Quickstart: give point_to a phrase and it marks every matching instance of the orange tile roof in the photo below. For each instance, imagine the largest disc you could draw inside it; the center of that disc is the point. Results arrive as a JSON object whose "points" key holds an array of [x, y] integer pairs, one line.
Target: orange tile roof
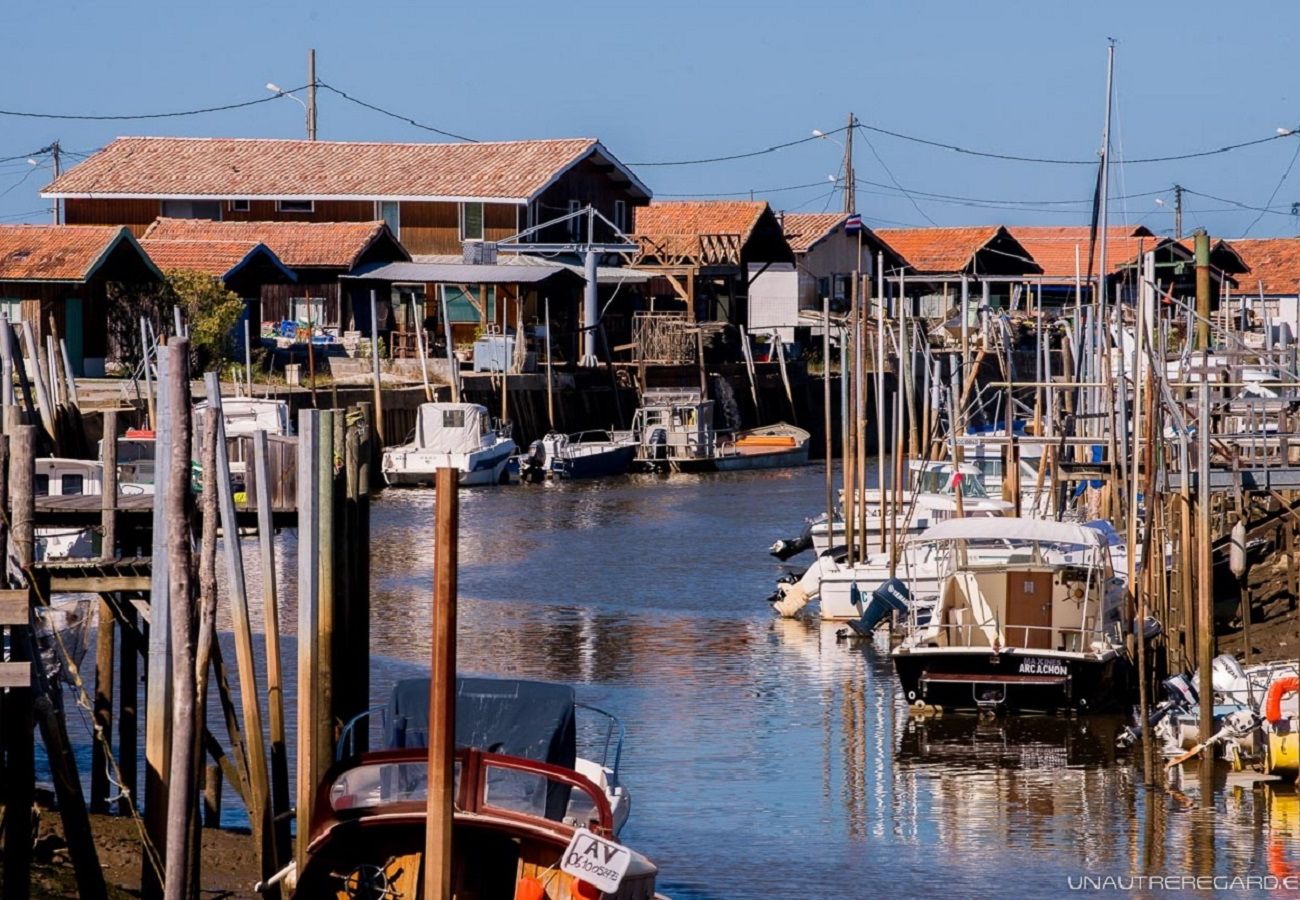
{"points": [[1052, 247], [1274, 265], [55, 252], [214, 258], [300, 245], [938, 250], [802, 230], [245, 168], [675, 225]]}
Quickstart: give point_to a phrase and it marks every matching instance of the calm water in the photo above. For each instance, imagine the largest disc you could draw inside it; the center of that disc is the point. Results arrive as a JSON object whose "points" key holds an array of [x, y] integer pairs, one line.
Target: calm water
{"points": [[766, 758]]}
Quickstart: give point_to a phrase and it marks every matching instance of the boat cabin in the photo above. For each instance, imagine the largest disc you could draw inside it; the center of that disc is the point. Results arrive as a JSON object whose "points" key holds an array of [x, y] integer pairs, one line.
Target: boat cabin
{"points": [[1023, 583], [451, 427], [674, 425], [246, 415], [57, 477]]}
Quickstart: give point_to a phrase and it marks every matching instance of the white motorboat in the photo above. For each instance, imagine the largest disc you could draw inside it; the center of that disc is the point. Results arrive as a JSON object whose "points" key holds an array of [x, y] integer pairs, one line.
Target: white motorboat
{"points": [[61, 477], [1041, 628], [451, 435], [242, 417]]}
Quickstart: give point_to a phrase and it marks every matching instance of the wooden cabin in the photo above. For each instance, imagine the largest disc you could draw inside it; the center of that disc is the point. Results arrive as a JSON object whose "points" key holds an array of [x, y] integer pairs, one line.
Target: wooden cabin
{"points": [[433, 197], [62, 275], [707, 254]]}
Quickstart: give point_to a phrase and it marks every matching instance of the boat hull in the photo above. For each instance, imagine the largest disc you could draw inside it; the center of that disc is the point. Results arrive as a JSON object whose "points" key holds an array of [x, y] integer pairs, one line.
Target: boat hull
{"points": [[604, 464], [744, 462], [1012, 680], [487, 467]]}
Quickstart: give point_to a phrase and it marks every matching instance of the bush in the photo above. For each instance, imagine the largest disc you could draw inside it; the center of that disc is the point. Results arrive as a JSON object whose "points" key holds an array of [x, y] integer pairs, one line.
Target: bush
{"points": [[211, 313]]}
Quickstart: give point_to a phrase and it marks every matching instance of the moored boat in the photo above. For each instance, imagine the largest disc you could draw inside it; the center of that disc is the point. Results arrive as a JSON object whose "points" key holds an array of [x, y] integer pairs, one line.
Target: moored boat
{"points": [[588, 454], [451, 435]]}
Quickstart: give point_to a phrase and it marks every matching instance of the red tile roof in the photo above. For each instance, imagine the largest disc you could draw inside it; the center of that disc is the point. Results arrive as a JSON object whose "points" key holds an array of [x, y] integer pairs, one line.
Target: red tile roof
{"points": [[239, 168], [55, 252], [300, 245], [1052, 247], [675, 225], [803, 230], [216, 258], [1274, 265], [938, 250]]}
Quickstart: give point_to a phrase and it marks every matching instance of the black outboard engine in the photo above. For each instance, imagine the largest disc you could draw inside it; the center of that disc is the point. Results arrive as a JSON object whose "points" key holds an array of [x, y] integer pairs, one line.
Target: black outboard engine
{"points": [[533, 465]]}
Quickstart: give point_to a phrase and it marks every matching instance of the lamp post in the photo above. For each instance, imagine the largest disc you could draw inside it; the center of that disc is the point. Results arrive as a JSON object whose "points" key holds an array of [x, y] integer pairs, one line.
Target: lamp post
{"points": [[307, 110]]}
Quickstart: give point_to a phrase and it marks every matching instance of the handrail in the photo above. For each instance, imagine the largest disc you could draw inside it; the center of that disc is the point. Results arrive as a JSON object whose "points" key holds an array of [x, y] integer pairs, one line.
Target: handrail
{"points": [[1002, 628], [611, 721]]}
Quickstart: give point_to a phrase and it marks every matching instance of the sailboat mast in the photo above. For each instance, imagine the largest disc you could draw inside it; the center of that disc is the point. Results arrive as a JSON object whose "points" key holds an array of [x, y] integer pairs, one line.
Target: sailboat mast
{"points": [[1099, 299]]}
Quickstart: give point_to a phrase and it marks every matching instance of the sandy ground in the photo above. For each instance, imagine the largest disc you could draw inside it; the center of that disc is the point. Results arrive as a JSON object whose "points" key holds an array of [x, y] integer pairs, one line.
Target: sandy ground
{"points": [[229, 866]]}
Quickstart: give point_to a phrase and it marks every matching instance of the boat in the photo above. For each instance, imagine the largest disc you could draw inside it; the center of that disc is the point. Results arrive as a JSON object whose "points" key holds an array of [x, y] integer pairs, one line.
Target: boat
{"points": [[1040, 628], [451, 435], [673, 430], [588, 454], [523, 799], [242, 417]]}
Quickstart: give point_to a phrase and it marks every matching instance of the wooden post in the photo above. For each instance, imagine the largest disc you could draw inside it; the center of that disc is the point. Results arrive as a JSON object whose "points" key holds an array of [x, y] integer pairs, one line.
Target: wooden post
{"points": [[322, 725], [309, 767], [19, 746], [212, 796], [1204, 566], [158, 695], [103, 712], [259, 789], [148, 378], [45, 407], [826, 419], [207, 618], [374, 353], [176, 506], [442, 691], [271, 633], [127, 719], [550, 380]]}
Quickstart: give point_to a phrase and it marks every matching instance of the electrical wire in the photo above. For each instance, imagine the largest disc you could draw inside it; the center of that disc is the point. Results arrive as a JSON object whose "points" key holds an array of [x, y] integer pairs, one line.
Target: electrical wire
{"points": [[772, 149], [890, 173], [1011, 157], [1273, 196], [1236, 203], [163, 115], [24, 156], [398, 116]]}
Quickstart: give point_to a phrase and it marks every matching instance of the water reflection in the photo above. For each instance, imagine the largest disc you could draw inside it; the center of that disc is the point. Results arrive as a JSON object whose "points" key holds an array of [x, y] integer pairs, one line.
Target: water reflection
{"points": [[768, 758]]}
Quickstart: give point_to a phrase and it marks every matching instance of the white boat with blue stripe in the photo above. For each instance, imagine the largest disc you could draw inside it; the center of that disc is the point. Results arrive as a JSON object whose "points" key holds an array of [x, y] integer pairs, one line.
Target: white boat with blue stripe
{"points": [[452, 435]]}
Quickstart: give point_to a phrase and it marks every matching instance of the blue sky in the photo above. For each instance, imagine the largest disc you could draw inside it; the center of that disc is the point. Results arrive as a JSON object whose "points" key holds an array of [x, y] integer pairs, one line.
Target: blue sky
{"points": [[674, 80]]}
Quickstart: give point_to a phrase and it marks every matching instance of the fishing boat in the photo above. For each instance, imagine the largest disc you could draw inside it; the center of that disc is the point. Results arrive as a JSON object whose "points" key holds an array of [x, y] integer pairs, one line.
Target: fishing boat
{"points": [[674, 430], [451, 435], [588, 454], [1041, 628], [522, 799]]}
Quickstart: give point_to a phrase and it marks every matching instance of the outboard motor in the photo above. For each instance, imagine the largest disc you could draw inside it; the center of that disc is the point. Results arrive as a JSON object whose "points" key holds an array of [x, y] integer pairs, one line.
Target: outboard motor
{"points": [[534, 462], [656, 444]]}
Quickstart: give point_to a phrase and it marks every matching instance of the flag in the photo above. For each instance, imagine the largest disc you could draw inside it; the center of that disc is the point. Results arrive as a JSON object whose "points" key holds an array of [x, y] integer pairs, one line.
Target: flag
{"points": [[853, 224]]}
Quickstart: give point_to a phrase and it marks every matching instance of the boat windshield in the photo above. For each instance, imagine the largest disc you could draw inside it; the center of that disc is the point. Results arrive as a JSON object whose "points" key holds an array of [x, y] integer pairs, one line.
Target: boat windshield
{"points": [[943, 480]]}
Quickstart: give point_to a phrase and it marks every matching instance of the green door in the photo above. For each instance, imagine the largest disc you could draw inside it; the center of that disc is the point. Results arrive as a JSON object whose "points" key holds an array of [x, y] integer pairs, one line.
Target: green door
{"points": [[72, 324]]}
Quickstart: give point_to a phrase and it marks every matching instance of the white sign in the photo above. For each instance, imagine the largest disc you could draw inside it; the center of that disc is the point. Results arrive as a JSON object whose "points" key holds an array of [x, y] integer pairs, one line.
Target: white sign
{"points": [[598, 862]]}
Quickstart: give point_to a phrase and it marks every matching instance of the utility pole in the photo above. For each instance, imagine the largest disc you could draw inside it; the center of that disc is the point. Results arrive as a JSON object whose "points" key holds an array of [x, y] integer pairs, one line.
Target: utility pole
{"points": [[850, 185], [58, 170], [1178, 212], [311, 95]]}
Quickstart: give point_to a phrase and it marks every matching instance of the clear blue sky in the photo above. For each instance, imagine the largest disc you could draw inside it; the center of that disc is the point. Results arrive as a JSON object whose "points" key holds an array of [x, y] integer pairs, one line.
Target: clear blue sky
{"points": [[673, 80]]}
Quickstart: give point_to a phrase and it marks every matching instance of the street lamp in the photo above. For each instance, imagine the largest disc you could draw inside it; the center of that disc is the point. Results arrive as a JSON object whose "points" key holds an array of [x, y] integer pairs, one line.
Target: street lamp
{"points": [[281, 92]]}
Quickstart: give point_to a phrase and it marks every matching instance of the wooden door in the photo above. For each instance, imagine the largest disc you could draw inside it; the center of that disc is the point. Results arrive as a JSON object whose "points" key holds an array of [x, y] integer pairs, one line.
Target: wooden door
{"points": [[1029, 610]]}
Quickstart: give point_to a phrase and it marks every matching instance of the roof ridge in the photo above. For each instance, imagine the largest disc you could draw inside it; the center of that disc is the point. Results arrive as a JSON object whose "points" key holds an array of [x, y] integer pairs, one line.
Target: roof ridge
{"points": [[259, 140]]}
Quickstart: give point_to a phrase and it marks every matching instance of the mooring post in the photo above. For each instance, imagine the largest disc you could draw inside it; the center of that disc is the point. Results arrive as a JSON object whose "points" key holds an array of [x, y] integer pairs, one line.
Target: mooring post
{"points": [[271, 634], [104, 637], [322, 724], [177, 506], [19, 746], [442, 690], [309, 437], [259, 789]]}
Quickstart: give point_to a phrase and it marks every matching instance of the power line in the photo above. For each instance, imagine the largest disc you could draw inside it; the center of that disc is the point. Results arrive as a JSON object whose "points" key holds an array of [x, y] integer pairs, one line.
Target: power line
{"points": [[890, 173], [1277, 187], [163, 115], [392, 115], [1011, 157], [772, 149], [1236, 203]]}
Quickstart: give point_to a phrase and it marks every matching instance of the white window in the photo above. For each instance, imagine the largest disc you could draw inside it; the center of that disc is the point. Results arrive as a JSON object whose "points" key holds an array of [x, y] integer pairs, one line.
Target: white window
{"points": [[620, 214], [13, 308], [308, 310], [239, 206], [295, 206], [471, 221]]}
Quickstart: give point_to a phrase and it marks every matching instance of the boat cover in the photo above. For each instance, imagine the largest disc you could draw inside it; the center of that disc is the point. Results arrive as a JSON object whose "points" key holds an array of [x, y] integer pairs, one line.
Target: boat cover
{"points": [[529, 719], [451, 427]]}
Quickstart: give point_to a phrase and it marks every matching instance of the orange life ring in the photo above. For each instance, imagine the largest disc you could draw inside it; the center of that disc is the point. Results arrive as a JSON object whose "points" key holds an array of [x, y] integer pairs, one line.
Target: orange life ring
{"points": [[1288, 684]]}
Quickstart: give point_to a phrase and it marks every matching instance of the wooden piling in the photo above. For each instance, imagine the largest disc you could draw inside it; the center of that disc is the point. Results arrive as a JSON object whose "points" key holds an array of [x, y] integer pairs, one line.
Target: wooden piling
{"points": [[19, 748], [259, 788], [271, 633], [321, 731], [103, 711], [207, 619], [127, 716], [442, 691], [309, 766], [177, 506]]}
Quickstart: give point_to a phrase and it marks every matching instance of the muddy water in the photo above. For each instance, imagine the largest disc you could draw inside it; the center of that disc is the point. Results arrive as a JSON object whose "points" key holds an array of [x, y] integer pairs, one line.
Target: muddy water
{"points": [[766, 758]]}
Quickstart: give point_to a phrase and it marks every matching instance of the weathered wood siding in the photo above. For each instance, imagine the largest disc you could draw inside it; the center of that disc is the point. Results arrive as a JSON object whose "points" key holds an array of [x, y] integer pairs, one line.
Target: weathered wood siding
{"points": [[135, 214]]}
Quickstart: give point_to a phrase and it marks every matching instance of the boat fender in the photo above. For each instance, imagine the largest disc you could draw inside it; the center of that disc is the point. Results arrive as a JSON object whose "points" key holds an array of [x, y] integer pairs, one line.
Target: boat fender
{"points": [[1287, 684], [529, 888]]}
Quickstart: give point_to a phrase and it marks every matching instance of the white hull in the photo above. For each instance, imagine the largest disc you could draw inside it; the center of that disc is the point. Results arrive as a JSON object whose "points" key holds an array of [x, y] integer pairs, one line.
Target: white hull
{"points": [[418, 467]]}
